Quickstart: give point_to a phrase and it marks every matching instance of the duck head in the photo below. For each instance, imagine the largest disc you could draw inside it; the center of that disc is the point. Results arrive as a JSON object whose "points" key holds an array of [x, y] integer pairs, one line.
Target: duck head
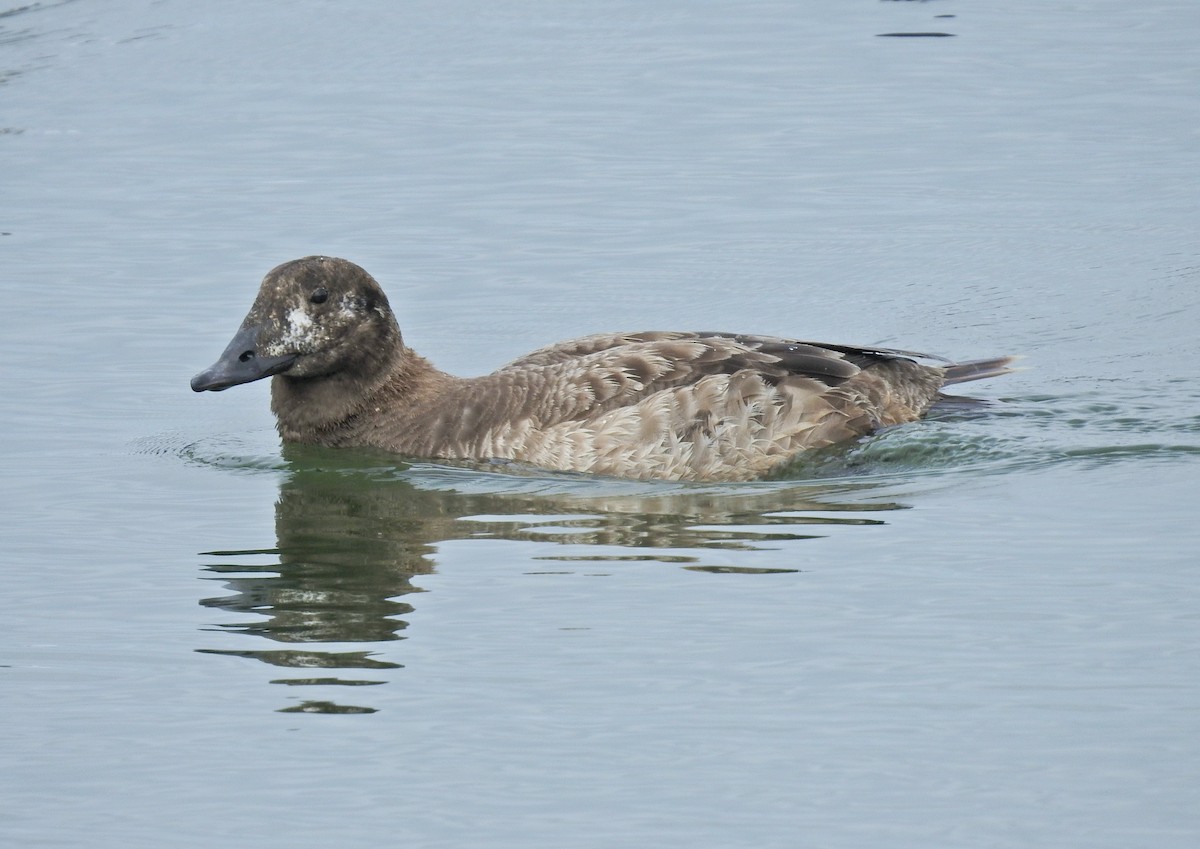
{"points": [[314, 317]]}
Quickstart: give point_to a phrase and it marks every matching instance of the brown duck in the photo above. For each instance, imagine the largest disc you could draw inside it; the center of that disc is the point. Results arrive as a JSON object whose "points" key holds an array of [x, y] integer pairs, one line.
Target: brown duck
{"points": [[684, 406]]}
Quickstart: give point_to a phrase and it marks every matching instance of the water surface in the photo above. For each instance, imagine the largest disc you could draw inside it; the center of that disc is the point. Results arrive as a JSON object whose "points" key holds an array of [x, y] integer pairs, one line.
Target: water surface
{"points": [[978, 630]]}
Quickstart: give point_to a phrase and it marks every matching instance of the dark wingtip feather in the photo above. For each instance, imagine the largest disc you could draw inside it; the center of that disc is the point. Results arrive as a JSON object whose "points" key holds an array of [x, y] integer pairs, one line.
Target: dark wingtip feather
{"points": [[979, 369]]}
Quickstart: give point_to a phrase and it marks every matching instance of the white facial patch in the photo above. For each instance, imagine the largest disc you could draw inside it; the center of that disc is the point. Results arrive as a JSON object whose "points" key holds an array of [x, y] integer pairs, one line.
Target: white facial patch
{"points": [[298, 335], [299, 326]]}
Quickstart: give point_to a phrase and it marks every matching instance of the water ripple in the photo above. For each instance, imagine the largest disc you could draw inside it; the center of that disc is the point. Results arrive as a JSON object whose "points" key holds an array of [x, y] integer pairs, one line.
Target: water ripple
{"points": [[963, 438]]}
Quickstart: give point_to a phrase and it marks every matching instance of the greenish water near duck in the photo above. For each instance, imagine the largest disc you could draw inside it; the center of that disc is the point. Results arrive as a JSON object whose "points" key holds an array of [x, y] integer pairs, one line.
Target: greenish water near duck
{"points": [[976, 630]]}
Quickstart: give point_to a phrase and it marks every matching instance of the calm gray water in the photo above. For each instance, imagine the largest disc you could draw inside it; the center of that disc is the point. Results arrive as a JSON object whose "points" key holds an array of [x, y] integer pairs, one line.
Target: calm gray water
{"points": [[977, 631]]}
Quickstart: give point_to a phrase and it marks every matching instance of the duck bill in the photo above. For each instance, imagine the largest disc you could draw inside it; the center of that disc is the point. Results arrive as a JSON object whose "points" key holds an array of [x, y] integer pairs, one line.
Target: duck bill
{"points": [[240, 363]]}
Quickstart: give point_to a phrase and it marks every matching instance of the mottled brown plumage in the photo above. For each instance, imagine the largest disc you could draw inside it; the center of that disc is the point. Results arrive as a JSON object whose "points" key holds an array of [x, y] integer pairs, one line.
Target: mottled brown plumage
{"points": [[688, 406]]}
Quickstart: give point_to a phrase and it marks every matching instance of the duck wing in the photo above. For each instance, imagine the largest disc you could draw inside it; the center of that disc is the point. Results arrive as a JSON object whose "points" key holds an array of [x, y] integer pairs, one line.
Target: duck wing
{"points": [[594, 374]]}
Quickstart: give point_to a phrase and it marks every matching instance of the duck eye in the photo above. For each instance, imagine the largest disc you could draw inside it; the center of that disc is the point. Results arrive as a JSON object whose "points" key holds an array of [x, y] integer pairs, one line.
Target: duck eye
{"points": [[319, 296]]}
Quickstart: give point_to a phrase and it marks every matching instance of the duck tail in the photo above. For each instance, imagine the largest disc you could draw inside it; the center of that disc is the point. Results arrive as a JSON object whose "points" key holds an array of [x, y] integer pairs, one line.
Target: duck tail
{"points": [[979, 369]]}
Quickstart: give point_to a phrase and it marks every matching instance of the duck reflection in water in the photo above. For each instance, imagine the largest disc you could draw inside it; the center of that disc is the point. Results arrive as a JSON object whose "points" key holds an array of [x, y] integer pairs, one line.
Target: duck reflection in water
{"points": [[353, 530]]}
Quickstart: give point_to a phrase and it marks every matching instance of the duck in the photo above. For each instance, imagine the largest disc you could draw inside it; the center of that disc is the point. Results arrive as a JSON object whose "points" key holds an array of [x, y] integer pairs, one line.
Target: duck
{"points": [[670, 405]]}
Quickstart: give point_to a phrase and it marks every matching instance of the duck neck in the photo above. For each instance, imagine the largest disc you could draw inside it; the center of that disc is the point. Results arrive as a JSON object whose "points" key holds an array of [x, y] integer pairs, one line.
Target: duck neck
{"points": [[324, 410]]}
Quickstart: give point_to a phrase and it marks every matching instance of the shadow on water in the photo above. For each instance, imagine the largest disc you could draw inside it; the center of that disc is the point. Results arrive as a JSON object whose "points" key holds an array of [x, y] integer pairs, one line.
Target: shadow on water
{"points": [[354, 531]]}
